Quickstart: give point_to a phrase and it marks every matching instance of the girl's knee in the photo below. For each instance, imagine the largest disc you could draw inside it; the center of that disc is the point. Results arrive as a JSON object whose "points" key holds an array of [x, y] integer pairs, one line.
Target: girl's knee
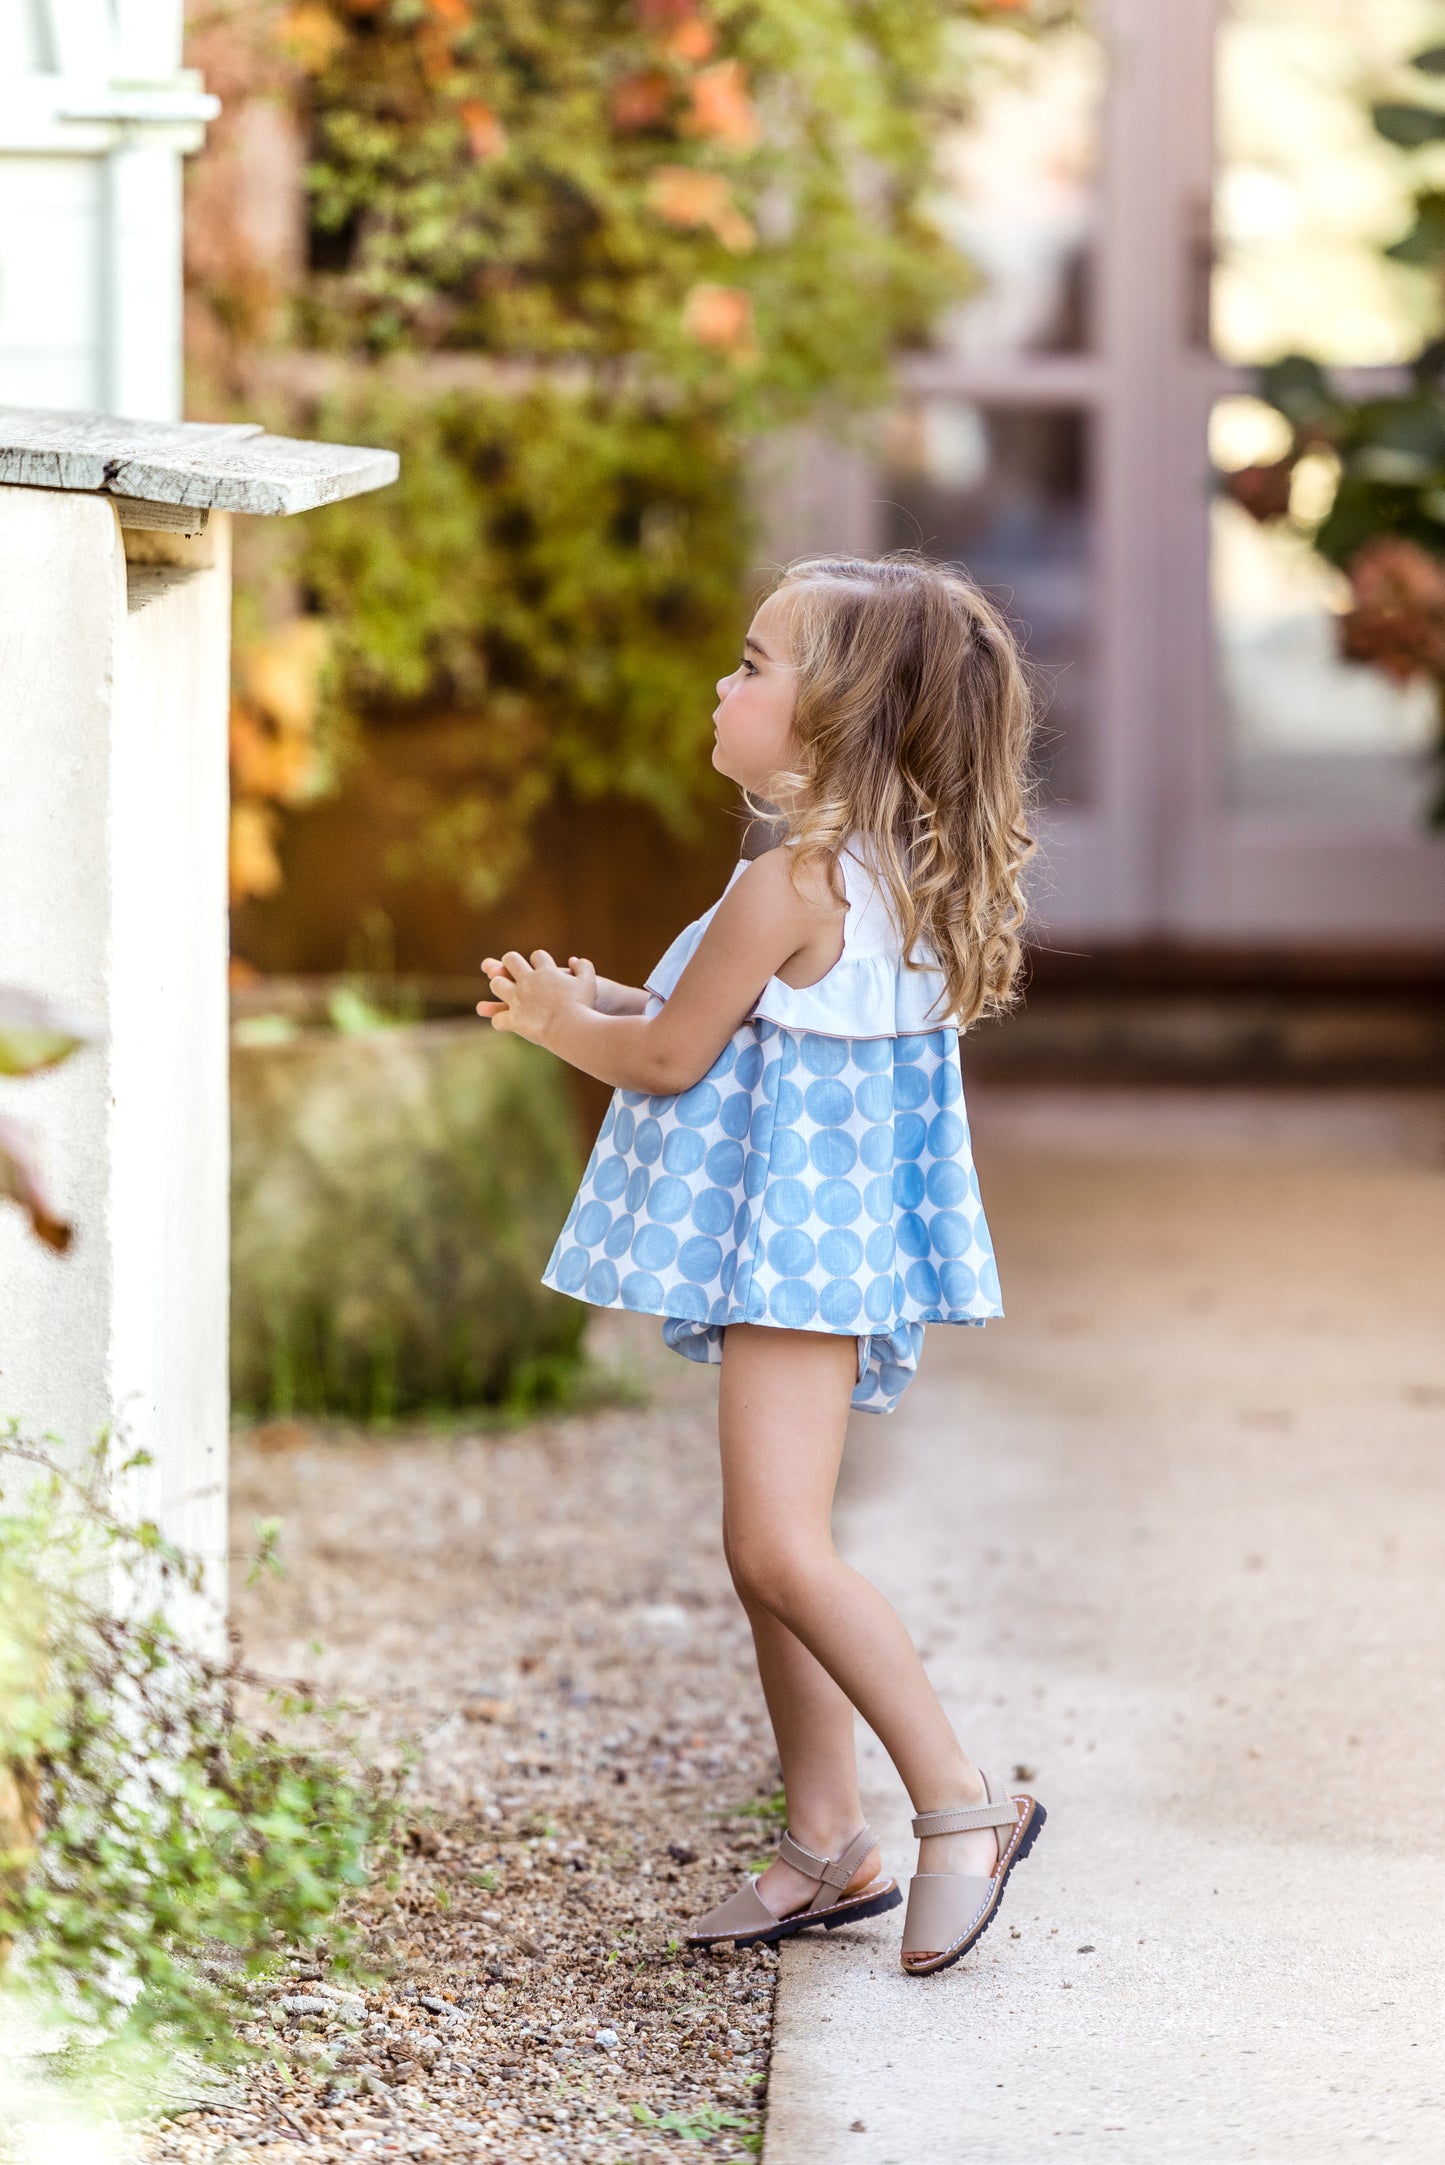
{"points": [[776, 1572]]}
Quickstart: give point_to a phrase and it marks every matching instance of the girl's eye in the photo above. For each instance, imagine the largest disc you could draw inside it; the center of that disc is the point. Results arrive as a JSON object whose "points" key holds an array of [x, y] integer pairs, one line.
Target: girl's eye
{"points": [[748, 664]]}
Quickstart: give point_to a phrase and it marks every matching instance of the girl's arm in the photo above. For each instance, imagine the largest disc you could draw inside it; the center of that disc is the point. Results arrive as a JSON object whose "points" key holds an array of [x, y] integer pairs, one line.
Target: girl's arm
{"points": [[762, 925], [615, 999]]}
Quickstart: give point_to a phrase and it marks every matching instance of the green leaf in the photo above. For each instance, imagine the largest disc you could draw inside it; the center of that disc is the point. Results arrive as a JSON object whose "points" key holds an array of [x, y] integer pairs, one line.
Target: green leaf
{"points": [[353, 1015], [1298, 387], [35, 1033], [169, 1836], [1408, 125], [1424, 244], [1399, 439], [1431, 61]]}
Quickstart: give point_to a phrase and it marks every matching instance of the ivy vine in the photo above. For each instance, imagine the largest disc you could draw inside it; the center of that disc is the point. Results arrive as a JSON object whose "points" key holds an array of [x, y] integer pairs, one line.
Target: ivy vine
{"points": [[654, 230]]}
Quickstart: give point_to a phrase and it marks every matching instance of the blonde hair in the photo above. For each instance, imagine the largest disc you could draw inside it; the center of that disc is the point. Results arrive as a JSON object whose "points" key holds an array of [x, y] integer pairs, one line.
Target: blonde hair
{"points": [[913, 722]]}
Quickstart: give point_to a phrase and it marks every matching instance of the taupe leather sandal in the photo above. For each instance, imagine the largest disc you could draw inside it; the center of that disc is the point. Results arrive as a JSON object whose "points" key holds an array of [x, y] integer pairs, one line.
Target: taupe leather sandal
{"points": [[745, 1919], [948, 1911]]}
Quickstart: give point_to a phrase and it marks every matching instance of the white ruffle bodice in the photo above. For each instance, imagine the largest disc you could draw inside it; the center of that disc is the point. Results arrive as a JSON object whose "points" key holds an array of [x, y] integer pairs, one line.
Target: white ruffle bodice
{"points": [[869, 992]]}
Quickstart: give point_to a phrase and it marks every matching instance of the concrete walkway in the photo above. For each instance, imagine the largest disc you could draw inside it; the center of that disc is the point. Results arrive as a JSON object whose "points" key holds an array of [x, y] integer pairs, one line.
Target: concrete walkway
{"points": [[1173, 1538]]}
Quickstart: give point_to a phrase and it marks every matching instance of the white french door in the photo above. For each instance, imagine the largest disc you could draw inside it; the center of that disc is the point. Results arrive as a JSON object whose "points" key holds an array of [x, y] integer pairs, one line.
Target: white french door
{"points": [[1212, 771]]}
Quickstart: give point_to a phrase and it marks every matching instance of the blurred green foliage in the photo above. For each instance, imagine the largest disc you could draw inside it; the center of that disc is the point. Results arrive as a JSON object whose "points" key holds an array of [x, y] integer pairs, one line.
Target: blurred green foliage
{"points": [[1385, 523], [1391, 454], [555, 181], [395, 1196], [558, 572], [657, 229], [157, 1847]]}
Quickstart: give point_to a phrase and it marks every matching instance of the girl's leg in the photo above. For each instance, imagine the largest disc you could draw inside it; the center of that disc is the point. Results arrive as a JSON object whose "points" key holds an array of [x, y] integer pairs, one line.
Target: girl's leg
{"points": [[813, 1724], [783, 1409]]}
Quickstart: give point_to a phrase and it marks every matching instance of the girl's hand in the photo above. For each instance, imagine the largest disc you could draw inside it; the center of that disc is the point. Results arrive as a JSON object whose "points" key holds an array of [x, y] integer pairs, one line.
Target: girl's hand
{"points": [[530, 997], [588, 983]]}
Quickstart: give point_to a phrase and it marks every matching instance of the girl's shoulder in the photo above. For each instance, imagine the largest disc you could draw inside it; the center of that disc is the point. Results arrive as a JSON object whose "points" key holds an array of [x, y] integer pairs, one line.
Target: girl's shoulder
{"points": [[778, 880]]}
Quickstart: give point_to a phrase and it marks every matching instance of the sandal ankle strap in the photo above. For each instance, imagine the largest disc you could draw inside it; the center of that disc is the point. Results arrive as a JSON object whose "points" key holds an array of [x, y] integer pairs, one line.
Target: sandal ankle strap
{"points": [[832, 1871], [999, 1811]]}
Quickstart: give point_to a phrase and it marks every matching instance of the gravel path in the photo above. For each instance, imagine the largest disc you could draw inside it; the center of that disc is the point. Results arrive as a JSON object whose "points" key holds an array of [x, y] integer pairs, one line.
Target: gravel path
{"points": [[546, 1611]]}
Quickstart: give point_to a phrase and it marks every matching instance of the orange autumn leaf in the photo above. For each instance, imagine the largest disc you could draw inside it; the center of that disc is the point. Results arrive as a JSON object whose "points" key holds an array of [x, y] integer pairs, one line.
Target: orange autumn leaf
{"points": [[269, 763], [687, 198], [691, 41], [254, 867], [311, 35], [22, 1182], [281, 673], [720, 317], [273, 717], [485, 133], [250, 752], [721, 107], [455, 12], [642, 101], [434, 52]]}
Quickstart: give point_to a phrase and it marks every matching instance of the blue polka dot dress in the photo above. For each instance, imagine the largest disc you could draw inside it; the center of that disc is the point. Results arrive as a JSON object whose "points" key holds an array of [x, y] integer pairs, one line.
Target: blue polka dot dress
{"points": [[819, 1177]]}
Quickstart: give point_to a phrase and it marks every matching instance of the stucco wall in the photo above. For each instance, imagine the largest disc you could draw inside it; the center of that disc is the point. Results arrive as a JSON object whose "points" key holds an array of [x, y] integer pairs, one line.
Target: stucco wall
{"points": [[112, 899]]}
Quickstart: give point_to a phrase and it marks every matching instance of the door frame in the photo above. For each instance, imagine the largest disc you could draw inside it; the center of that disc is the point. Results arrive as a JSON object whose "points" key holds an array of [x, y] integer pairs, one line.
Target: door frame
{"points": [[1158, 851]]}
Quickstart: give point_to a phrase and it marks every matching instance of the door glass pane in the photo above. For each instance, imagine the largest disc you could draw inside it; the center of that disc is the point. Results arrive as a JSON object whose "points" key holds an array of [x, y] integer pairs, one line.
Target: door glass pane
{"points": [[1307, 192], [1004, 490], [1020, 189], [1307, 196]]}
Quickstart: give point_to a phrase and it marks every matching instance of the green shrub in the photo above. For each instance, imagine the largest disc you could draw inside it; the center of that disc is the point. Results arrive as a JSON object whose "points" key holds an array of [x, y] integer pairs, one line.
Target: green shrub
{"points": [[395, 1196], [158, 1848], [557, 573], [640, 235]]}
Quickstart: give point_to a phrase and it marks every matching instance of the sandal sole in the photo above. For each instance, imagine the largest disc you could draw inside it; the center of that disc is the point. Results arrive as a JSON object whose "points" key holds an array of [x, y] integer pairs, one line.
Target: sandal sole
{"points": [[804, 1920], [1033, 1825]]}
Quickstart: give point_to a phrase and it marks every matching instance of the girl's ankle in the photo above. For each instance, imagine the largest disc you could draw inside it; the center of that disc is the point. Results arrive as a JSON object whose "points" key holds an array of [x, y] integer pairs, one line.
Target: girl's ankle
{"points": [[964, 1787], [825, 1837]]}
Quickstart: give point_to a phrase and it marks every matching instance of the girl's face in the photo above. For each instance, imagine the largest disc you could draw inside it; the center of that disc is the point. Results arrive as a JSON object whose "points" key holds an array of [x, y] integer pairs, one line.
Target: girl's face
{"points": [[754, 713]]}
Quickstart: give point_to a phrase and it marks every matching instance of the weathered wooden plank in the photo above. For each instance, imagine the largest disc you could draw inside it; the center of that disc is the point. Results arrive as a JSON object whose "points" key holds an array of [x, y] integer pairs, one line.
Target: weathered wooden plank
{"points": [[142, 512], [272, 475], [225, 466]]}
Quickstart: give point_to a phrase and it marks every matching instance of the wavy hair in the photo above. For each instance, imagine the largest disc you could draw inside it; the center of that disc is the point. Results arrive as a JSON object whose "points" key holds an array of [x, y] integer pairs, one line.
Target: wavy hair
{"points": [[913, 724]]}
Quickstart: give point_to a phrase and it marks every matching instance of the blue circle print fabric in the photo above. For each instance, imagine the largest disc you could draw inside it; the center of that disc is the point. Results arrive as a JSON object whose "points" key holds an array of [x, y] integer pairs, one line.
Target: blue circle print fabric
{"points": [[810, 1182]]}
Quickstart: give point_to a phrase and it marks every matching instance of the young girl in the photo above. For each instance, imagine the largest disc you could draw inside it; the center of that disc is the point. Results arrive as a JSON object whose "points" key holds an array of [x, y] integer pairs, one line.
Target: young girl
{"points": [[784, 1175]]}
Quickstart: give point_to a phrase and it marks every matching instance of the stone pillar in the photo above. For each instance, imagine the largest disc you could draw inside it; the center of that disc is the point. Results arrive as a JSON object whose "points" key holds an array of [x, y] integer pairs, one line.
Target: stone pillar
{"points": [[114, 665]]}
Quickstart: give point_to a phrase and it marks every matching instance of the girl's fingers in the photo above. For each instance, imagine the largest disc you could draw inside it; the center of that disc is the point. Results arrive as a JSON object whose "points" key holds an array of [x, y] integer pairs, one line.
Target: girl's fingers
{"points": [[491, 967], [516, 966], [541, 960], [491, 1007]]}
